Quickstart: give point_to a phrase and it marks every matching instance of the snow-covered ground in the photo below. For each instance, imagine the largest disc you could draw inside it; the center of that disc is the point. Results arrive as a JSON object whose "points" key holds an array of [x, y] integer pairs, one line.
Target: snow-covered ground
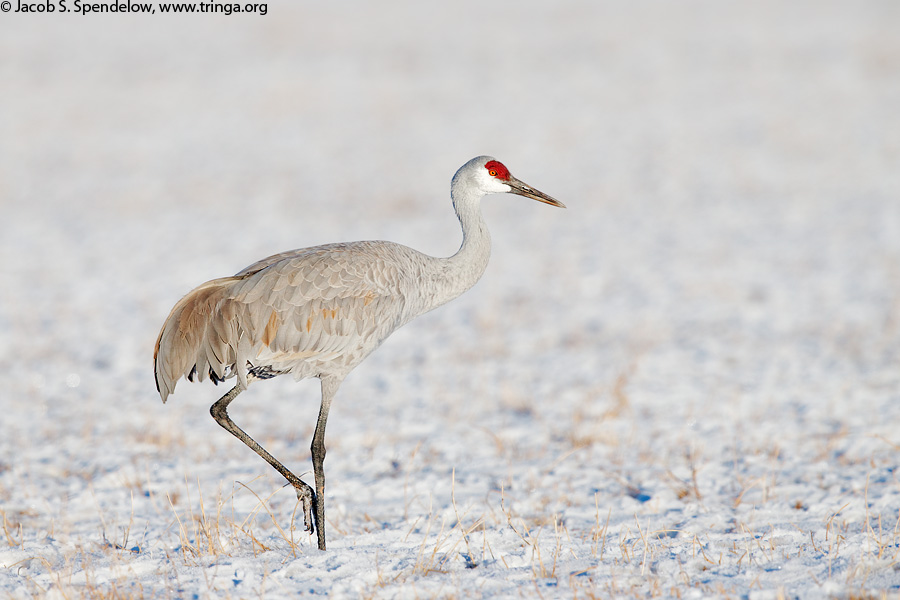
{"points": [[687, 384]]}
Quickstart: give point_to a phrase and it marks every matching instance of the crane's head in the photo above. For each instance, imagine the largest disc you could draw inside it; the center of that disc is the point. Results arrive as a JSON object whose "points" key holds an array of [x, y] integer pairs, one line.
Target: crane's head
{"points": [[488, 175]]}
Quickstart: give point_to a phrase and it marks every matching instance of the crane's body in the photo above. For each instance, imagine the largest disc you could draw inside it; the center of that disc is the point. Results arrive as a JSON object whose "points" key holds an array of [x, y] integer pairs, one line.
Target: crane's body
{"points": [[320, 311], [311, 312]]}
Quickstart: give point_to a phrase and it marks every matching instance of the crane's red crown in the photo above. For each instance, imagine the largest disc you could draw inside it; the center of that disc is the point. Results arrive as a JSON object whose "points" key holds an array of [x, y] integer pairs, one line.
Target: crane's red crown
{"points": [[497, 169]]}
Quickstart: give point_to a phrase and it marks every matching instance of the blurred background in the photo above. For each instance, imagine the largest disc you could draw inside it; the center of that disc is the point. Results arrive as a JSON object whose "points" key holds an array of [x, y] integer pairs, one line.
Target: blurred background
{"points": [[729, 261], [735, 147]]}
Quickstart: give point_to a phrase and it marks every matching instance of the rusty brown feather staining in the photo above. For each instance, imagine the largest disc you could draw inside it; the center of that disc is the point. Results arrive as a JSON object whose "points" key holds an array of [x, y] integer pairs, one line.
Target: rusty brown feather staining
{"points": [[309, 324], [271, 329], [199, 304], [188, 323], [228, 308], [368, 298], [193, 311]]}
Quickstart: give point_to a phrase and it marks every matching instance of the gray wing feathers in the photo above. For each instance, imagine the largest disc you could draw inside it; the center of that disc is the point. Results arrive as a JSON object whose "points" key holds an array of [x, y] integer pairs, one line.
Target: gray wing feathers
{"points": [[323, 304], [195, 338]]}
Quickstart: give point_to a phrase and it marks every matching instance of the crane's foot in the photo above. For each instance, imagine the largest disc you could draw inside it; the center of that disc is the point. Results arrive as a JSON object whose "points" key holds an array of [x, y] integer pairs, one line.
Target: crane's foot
{"points": [[307, 499]]}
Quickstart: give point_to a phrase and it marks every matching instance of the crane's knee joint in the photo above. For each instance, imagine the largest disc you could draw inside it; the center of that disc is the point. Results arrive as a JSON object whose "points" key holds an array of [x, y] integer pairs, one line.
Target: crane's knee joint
{"points": [[218, 412]]}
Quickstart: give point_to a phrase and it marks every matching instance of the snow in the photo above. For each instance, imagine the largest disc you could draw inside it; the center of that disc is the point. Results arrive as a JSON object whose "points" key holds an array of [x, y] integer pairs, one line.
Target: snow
{"points": [[687, 384]]}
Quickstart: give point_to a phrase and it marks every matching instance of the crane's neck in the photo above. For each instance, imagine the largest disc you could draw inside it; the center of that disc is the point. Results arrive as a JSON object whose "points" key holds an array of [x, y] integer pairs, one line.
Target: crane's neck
{"points": [[458, 273], [472, 258]]}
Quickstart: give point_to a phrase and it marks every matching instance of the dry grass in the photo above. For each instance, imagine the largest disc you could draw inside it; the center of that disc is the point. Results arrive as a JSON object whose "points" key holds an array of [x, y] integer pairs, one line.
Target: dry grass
{"points": [[619, 558], [208, 533], [544, 538]]}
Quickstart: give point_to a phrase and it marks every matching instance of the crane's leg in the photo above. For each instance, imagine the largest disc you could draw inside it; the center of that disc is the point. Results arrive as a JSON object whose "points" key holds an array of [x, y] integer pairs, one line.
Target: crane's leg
{"points": [[304, 493], [329, 388]]}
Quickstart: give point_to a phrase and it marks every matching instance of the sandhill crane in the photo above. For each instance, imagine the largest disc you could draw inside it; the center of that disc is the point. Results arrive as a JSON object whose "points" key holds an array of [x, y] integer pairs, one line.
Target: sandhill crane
{"points": [[318, 312]]}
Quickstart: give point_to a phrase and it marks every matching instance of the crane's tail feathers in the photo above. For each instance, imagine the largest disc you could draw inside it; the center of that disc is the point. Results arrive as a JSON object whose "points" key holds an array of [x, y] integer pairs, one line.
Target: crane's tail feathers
{"points": [[198, 337]]}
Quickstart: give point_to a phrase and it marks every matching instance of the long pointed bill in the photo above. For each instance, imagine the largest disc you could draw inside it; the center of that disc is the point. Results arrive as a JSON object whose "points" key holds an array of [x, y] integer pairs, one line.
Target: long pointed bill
{"points": [[529, 192]]}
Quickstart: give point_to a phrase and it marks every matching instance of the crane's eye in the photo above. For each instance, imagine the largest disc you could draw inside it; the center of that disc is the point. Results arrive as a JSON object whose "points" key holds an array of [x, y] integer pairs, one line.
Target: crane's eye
{"points": [[497, 169]]}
